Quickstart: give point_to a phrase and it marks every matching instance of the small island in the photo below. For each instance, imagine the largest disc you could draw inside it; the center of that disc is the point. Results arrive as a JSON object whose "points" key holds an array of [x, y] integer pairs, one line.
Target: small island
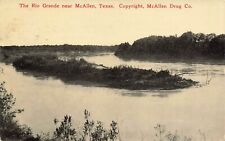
{"points": [[123, 77]]}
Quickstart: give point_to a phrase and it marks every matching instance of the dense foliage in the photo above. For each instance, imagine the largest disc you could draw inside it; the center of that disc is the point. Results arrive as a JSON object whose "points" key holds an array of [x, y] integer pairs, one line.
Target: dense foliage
{"points": [[188, 45]]}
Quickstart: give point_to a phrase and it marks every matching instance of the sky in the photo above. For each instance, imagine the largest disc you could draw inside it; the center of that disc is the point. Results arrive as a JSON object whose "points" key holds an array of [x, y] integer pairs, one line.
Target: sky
{"points": [[37, 26]]}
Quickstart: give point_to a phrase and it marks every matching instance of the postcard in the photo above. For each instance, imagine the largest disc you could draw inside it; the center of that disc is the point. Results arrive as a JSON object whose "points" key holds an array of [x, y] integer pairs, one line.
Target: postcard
{"points": [[112, 70]]}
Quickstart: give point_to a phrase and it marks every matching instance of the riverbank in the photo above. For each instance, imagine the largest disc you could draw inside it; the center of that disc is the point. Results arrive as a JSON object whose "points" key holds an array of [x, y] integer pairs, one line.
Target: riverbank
{"points": [[188, 46]]}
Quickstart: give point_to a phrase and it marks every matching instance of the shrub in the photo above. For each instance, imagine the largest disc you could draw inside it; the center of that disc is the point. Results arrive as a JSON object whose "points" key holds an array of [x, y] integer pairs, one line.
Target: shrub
{"points": [[92, 131], [163, 135]]}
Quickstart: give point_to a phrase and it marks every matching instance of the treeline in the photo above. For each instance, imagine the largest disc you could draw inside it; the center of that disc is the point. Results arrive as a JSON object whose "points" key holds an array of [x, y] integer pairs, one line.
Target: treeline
{"points": [[188, 45], [63, 48], [10, 53]]}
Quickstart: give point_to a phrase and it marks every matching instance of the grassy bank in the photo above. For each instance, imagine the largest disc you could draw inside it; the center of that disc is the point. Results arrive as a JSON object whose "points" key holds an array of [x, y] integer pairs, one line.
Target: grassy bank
{"points": [[117, 77]]}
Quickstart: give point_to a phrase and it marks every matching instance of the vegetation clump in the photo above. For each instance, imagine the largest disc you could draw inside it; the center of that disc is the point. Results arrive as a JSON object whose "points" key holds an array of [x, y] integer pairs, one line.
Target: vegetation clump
{"points": [[117, 77]]}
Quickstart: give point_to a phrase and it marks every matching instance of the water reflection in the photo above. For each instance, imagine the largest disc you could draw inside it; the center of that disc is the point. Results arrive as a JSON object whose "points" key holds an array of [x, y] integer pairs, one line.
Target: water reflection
{"points": [[137, 112]]}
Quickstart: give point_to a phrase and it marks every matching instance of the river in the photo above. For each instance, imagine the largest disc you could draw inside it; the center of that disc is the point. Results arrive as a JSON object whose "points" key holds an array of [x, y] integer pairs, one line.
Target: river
{"points": [[188, 111]]}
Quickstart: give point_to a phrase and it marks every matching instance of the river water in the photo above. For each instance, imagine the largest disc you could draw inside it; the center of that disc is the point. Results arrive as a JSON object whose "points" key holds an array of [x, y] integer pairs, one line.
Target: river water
{"points": [[192, 111]]}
